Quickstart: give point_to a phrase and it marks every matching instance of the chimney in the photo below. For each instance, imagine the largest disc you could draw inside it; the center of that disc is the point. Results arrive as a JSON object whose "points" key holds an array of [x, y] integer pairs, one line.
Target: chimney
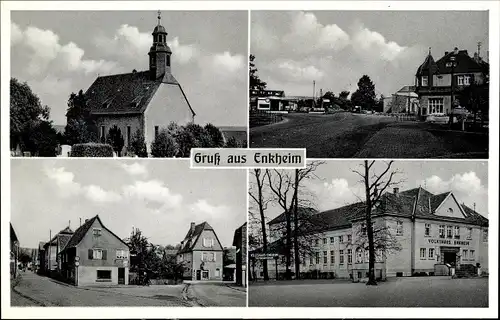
{"points": [[455, 51], [396, 191], [86, 220], [192, 226], [446, 53], [476, 57]]}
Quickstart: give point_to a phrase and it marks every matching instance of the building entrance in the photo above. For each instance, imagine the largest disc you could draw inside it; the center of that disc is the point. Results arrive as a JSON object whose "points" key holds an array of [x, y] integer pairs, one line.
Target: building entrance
{"points": [[450, 258]]}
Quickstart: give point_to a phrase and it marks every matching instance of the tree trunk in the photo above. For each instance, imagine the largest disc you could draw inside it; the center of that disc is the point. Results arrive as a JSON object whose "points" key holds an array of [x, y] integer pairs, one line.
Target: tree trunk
{"points": [[369, 230], [296, 253], [262, 225], [288, 245]]}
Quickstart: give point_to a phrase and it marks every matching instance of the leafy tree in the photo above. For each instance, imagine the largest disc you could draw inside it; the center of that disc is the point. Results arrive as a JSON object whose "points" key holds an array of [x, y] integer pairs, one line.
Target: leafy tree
{"points": [[115, 139], [30, 128], [164, 145], [143, 257], [217, 140], [25, 256], [344, 94], [138, 144], [192, 136], [80, 127], [365, 95], [475, 98], [255, 82]]}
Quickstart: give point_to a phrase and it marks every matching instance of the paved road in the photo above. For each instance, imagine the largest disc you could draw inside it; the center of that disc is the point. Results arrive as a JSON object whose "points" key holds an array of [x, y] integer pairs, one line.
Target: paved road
{"points": [[400, 292], [348, 135], [50, 293], [16, 300], [213, 294]]}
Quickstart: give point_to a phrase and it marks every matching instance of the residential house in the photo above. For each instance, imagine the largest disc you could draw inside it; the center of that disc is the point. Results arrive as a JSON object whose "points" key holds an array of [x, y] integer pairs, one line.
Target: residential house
{"points": [[53, 248], [141, 100], [201, 253], [41, 257], [431, 233], [240, 242], [405, 100], [14, 252], [95, 255], [438, 83]]}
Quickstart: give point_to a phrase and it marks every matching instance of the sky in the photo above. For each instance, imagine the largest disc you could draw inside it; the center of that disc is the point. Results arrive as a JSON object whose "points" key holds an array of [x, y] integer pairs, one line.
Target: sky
{"points": [[161, 198], [336, 48], [58, 53], [337, 185]]}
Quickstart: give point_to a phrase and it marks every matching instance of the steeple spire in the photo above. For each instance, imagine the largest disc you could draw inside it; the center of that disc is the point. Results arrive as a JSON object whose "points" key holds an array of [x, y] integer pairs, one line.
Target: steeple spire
{"points": [[160, 52], [159, 17], [429, 50]]}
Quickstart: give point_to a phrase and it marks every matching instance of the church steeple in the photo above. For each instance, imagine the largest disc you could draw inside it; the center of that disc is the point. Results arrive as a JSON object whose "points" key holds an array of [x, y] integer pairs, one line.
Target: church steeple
{"points": [[159, 54]]}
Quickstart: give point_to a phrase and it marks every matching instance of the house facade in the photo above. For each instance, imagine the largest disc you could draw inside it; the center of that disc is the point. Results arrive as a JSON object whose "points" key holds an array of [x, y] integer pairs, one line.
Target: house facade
{"points": [[427, 233], [51, 250], [438, 83], [95, 255], [147, 101], [405, 100], [14, 252], [201, 253], [240, 242]]}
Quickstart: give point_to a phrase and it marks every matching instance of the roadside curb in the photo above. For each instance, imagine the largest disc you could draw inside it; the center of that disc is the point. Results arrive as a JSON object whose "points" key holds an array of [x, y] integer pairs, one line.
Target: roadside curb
{"points": [[189, 298], [237, 289]]}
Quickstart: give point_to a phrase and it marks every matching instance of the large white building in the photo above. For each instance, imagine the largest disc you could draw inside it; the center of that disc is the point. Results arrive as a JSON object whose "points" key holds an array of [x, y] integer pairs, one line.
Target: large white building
{"points": [[417, 232]]}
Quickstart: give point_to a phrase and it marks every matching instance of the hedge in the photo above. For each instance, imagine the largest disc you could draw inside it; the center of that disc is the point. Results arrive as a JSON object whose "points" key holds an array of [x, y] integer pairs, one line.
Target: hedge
{"points": [[91, 150]]}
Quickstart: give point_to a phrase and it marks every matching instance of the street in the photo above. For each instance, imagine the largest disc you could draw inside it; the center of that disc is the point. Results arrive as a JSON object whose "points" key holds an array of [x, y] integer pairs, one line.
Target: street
{"points": [[47, 292], [218, 294], [396, 292], [348, 135]]}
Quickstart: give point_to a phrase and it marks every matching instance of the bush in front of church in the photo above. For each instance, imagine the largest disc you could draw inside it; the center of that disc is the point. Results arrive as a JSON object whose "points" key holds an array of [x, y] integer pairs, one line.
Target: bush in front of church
{"points": [[164, 145], [91, 150]]}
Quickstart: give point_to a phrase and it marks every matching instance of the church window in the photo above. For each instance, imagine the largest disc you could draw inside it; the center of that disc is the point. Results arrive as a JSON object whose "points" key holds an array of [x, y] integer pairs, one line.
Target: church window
{"points": [[103, 130], [128, 135], [168, 60], [157, 128]]}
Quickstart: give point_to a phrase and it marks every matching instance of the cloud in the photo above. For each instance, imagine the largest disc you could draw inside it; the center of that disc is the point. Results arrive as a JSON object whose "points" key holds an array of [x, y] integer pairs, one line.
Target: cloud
{"points": [[203, 208], [334, 194], [293, 70], [97, 194], [183, 53], [370, 43], [135, 168], [153, 190], [44, 51], [307, 34], [228, 62], [64, 181]]}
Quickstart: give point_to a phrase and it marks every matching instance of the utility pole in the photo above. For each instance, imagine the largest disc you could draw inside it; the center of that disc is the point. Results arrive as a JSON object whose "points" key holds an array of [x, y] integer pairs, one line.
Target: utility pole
{"points": [[50, 248], [314, 92], [479, 49]]}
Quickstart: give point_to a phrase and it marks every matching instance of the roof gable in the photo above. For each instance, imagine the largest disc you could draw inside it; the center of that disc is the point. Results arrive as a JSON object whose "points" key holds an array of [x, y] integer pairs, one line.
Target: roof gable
{"points": [[428, 66], [193, 235], [464, 63], [448, 207]]}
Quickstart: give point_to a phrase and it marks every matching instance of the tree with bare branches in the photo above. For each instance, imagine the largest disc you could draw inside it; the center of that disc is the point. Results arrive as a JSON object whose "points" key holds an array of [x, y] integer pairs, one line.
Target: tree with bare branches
{"points": [[375, 185], [257, 195]]}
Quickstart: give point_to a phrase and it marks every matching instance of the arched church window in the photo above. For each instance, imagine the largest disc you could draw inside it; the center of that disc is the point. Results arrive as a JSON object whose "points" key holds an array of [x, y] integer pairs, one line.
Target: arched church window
{"points": [[168, 60]]}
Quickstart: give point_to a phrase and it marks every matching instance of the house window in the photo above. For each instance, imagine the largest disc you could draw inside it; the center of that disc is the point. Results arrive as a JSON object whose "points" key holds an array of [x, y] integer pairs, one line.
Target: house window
{"points": [[204, 274], [341, 239], [341, 256], [425, 81], [363, 229], [441, 231], [349, 256], [449, 230], [379, 256], [431, 253], [317, 257], [96, 232], [332, 240], [103, 274], [469, 233], [427, 230], [465, 255], [399, 228], [472, 253], [103, 134], [325, 257], [97, 254], [359, 255], [457, 232], [436, 105], [157, 129], [208, 243], [325, 240], [168, 60], [332, 257], [349, 238], [422, 253], [208, 256], [217, 272], [463, 80], [485, 235], [121, 254], [129, 133]]}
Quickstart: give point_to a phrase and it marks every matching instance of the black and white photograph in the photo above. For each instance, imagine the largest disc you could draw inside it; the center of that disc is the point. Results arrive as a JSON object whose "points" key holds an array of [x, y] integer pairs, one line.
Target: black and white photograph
{"points": [[124, 233], [370, 84], [127, 83], [369, 233]]}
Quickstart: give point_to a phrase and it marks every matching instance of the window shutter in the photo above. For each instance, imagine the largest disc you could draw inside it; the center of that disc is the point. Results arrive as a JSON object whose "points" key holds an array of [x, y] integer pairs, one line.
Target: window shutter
{"points": [[104, 254], [91, 254]]}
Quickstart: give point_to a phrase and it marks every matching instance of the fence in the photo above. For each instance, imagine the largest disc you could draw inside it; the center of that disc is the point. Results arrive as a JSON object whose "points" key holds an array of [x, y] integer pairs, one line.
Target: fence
{"points": [[404, 117], [261, 118]]}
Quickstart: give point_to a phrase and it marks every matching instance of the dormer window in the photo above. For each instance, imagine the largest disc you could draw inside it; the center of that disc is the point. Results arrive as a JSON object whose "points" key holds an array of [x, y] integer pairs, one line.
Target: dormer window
{"points": [[424, 81], [208, 243], [96, 232]]}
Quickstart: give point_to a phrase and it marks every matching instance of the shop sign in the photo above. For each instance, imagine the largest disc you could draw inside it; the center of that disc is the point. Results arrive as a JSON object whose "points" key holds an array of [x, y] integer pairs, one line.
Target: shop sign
{"points": [[262, 256], [449, 242]]}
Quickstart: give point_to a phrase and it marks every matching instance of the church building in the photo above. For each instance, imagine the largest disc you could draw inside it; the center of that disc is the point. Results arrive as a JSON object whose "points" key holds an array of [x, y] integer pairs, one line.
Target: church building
{"points": [[141, 100]]}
